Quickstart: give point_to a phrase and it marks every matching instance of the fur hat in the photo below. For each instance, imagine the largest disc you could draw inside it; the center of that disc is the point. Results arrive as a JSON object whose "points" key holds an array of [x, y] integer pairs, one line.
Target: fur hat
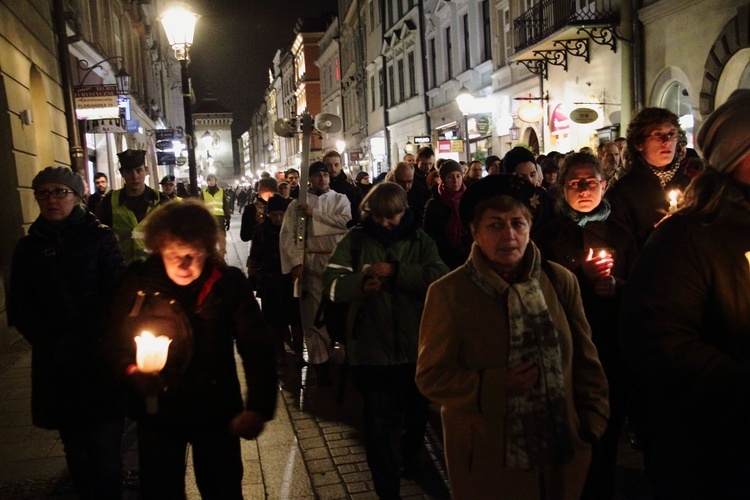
{"points": [[132, 158], [493, 185], [723, 136], [449, 166], [60, 175], [515, 156]]}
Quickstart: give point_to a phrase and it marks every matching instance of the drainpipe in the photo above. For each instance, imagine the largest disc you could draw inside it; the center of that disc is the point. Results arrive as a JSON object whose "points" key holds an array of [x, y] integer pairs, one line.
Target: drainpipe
{"points": [[638, 70], [423, 48], [384, 95], [77, 159]]}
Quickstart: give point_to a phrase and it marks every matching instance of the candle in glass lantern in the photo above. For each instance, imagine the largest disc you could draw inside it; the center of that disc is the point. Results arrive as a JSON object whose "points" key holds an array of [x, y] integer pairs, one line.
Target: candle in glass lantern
{"points": [[151, 352]]}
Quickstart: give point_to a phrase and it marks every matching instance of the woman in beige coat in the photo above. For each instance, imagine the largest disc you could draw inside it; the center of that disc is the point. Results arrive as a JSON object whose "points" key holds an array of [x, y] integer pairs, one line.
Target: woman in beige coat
{"points": [[522, 392]]}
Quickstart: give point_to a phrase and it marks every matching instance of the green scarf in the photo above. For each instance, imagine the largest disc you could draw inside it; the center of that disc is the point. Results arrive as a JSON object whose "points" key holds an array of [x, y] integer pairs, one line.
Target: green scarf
{"points": [[537, 426]]}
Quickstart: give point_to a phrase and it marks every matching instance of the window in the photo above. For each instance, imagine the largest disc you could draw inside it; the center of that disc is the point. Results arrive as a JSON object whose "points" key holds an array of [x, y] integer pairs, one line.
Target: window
{"points": [[467, 43], [433, 63], [412, 75], [400, 66], [381, 86], [486, 31], [372, 93], [371, 14], [507, 36], [391, 89], [448, 52]]}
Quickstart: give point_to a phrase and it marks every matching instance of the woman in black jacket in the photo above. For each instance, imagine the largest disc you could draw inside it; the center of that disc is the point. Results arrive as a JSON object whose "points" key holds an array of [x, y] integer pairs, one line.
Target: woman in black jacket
{"points": [[600, 252], [184, 291], [62, 276]]}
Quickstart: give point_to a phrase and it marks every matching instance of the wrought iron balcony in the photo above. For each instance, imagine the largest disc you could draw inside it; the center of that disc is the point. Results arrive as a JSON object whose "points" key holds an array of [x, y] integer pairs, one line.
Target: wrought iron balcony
{"points": [[550, 16]]}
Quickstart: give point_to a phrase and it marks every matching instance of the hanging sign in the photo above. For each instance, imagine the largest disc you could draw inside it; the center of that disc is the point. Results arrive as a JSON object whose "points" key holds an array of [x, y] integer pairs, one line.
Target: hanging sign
{"points": [[96, 101], [531, 112], [584, 115]]}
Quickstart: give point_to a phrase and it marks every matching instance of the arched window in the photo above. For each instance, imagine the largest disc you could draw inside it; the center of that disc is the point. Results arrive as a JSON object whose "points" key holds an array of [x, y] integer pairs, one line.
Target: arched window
{"points": [[677, 100]]}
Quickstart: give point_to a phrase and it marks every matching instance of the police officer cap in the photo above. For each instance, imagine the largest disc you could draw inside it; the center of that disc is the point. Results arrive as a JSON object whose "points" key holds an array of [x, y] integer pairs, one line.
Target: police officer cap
{"points": [[167, 178], [132, 158]]}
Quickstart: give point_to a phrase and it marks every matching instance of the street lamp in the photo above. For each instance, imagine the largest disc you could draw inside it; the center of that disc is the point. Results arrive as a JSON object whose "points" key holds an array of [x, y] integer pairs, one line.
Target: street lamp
{"points": [[464, 99], [179, 25], [513, 132]]}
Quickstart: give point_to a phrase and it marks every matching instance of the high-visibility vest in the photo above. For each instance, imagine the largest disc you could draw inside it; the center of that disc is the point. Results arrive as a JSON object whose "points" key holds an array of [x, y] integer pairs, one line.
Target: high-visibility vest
{"points": [[128, 230], [215, 202]]}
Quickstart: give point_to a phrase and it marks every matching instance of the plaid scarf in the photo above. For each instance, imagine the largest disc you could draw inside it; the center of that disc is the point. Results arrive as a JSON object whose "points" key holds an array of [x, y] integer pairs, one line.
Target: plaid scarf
{"points": [[537, 426]]}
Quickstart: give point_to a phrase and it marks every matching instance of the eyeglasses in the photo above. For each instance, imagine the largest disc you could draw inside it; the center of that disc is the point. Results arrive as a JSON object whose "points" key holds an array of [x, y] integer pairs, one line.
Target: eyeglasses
{"points": [[58, 194], [179, 258], [660, 137], [583, 184]]}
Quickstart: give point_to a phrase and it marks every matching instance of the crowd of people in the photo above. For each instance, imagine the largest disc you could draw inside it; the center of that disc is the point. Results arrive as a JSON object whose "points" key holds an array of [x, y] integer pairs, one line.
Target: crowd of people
{"points": [[541, 301]]}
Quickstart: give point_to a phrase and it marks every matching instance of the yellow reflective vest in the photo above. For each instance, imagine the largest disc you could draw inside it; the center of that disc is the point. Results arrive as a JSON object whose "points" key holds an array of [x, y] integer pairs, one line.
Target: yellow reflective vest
{"points": [[128, 230], [215, 202]]}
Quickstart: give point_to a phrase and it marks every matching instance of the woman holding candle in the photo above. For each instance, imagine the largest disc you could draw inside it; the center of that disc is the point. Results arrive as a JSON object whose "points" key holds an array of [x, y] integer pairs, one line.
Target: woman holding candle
{"points": [[185, 292], [600, 252], [63, 274], [522, 392], [641, 198], [686, 330]]}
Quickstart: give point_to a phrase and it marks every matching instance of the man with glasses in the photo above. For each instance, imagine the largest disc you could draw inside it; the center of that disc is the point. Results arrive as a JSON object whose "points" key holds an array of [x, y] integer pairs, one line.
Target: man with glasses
{"points": [[125, 209], [63, 274]]}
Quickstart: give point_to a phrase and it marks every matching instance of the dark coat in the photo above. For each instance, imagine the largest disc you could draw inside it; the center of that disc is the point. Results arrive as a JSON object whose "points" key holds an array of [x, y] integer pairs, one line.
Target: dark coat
{"points": [[563, 241], [251, 217], [201, 381], [686, 334], [639, 202], [264, 270], [60, 284], [435, 224]]}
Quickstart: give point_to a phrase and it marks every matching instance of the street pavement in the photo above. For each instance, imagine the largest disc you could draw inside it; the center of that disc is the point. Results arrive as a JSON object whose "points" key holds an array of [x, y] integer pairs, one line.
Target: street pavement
{"points": [[312, 449]]}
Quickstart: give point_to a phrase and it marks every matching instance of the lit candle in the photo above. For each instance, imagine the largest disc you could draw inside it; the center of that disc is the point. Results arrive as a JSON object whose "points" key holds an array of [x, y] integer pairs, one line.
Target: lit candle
{"points": [[747, 256], [151, 352], [672, 201]]}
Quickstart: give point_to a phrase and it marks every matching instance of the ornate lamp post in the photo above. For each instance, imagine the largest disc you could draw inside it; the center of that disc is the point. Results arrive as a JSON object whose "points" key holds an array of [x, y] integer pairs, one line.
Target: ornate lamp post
{"points": [[179, 25], [465, 99]]}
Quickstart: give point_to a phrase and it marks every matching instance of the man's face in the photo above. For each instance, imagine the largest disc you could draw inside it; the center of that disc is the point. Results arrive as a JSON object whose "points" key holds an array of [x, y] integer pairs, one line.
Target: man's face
{"points": [[211, 182], [101, 185], [284, 190], [610, 158], [493, 168], [409, 158], [135, 178], [334, 165], [320, 181], [475, 170], [405, 178], [293, 179], [425, 163], [168, 187]]}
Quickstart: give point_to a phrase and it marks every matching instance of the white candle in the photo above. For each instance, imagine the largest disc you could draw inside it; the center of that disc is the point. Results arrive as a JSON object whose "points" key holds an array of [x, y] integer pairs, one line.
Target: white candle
{"points": [[151, 352], [673, 201], [747, 256]]}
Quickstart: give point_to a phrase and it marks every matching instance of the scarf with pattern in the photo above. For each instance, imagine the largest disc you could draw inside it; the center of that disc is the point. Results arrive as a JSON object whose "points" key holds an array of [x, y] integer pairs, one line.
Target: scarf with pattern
{"points": [[600, 213], [537, 426]]}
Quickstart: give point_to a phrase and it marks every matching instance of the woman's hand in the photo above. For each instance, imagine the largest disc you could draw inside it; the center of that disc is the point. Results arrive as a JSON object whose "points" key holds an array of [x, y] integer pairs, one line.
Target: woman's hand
{"points": [[371, 286], [521, 378], [248, 424], [598, 268], [380, 270], [605, 287]]}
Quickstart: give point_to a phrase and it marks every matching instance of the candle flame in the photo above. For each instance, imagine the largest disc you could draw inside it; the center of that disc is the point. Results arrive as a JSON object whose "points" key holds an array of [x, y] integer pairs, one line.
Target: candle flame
{"points": [[673, 197], [747, 256], [151, 352], [602, 254]]}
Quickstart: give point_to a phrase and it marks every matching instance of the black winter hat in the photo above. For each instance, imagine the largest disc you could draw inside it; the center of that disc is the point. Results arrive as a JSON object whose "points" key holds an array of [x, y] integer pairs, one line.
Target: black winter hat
{"points": [[276, 203], [515, 156], [316, 167], [493, 185], [447, 167]]}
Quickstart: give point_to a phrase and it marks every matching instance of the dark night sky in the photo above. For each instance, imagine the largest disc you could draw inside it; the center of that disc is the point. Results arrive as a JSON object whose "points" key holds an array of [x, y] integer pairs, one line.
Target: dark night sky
{"points": [[235, 41]]}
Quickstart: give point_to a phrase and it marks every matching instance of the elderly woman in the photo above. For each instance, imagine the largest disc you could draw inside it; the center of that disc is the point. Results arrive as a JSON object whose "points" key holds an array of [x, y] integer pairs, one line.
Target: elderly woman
{"points": [[686, 330], [63, 274], [441, 219], [600, 252], [521, 390], [185, 292], [641, 198], [383, 268]]}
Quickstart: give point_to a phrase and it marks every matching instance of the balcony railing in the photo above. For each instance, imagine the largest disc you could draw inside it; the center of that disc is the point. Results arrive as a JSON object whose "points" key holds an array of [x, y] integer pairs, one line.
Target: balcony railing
{"points": [[550, 16]]}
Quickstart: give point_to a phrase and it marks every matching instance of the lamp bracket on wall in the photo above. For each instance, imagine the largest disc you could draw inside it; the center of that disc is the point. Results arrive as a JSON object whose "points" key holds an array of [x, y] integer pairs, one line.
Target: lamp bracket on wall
{"points": [[601, 36], [535, 66], [553, 57], [576, 48]]}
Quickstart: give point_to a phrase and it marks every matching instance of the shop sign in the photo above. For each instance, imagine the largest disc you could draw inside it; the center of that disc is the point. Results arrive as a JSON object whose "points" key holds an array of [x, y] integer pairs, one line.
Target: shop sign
{"points": [[457, 146], [165, 158], [560, 119], [181, 161], [133, 126], [96, 101], [164, 134], [444, 146], [422, 139], [584, 115], [354, 156], [531, 112], [483, 125]]}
